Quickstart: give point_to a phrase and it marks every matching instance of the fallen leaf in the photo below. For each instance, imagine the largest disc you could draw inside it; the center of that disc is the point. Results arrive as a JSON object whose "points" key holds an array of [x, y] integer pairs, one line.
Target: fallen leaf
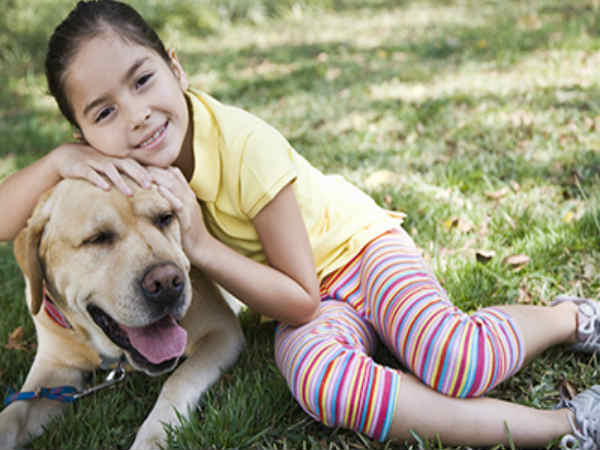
{"points": [[15, 340], [517, 261], [462, 225], [497, 195], [450, 222], [17, 335], [567, 389], [483, 256]]}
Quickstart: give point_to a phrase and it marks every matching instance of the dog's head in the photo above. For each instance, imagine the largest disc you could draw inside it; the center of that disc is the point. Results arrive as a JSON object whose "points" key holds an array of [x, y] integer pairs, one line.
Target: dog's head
{"points": [[115, 268]]}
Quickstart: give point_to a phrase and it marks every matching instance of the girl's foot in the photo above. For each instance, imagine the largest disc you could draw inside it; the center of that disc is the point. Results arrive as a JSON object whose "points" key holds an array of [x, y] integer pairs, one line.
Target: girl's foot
{"points": [[585, 420], [588, 323]]}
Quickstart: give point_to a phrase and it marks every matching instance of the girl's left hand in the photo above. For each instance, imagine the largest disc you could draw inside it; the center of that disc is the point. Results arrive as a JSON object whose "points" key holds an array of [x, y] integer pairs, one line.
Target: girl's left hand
{"points": [[175, 188]]}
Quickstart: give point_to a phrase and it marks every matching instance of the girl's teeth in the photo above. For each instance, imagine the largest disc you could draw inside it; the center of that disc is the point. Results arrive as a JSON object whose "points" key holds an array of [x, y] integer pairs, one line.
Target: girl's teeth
{"points": [[152, 138]]}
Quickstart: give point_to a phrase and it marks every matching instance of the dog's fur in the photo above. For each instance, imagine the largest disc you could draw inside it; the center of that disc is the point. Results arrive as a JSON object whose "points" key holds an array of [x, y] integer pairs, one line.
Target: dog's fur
{"points": [[98, 254]]}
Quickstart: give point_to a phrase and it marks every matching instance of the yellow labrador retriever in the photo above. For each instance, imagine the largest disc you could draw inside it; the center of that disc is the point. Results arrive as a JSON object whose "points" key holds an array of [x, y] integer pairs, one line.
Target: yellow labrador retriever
{"points": [[107, 281]]}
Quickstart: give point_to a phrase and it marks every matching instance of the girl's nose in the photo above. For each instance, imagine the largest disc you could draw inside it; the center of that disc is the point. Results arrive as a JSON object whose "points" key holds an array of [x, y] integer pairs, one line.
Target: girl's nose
{"points": [[139, 119]]}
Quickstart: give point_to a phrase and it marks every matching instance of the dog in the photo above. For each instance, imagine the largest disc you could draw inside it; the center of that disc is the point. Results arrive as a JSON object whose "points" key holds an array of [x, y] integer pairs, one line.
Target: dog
{"points": [[107, 281]]}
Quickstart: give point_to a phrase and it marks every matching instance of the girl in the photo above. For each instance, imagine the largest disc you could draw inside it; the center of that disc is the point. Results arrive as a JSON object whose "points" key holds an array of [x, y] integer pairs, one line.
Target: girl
{"points": [[307, 249]]}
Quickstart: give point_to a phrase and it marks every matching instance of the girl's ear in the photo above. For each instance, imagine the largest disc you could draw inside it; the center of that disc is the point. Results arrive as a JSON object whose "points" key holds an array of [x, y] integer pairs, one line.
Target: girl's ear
{"points": [[178, 70], [78, 136]]}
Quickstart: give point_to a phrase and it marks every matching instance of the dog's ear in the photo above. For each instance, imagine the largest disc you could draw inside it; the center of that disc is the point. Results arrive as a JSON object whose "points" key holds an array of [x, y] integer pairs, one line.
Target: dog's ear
{"points": [[26, 249]]}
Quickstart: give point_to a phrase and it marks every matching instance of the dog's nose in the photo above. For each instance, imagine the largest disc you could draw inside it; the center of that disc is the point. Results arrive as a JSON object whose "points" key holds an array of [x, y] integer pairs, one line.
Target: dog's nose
{"points": [[163, 284]]}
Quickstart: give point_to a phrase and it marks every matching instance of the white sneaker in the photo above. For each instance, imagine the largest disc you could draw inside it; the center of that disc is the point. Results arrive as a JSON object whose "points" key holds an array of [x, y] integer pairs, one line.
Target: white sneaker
{"points": [[588, 323]]}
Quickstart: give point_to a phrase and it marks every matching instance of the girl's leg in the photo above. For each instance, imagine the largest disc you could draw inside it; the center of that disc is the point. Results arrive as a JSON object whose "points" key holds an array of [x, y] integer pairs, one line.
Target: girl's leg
{"points": [[472, 421], [457, 354], [454, 353], [330, 373], [543, 326], [328, 369]]}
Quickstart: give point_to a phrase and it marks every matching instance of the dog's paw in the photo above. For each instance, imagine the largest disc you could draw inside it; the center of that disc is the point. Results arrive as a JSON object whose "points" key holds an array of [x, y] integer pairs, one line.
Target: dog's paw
{"points": [[149, 439], [10, 426]]}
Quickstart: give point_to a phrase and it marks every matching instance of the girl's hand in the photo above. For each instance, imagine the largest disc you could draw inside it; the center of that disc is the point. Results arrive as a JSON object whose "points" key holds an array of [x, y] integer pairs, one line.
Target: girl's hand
{"points": [[83, 161], [175, 188]]}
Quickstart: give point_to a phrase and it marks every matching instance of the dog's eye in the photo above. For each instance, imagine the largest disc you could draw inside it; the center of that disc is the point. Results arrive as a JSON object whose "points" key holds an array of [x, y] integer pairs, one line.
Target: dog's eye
{"points": [[101, 238], [164, 220]]}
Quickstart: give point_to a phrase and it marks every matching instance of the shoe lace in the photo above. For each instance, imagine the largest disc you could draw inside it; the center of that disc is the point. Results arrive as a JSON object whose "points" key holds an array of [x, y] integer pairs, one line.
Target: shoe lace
{"points": [[586, 425], [589, 331]]}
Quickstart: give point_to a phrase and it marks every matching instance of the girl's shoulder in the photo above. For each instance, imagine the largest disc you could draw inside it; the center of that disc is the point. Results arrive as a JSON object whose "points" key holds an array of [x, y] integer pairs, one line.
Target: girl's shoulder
{"points": [[235, 126]]}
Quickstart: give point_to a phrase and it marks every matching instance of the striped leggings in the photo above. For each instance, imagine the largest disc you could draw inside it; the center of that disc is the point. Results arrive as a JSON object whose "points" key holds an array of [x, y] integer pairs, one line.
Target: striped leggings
{"points": [[387, 291]]}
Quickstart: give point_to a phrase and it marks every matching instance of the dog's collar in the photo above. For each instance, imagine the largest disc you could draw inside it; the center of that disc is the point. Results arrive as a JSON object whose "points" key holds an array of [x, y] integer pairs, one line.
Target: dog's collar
{"points": [[53, 311]]}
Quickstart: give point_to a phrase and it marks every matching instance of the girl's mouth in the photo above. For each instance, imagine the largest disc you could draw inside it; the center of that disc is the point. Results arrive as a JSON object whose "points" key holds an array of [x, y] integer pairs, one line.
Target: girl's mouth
{"points": [[155, 137]]}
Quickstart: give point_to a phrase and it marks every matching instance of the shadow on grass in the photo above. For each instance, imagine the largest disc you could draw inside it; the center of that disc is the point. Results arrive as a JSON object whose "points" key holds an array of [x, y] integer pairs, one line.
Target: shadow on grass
{"points": [[439, 51]]}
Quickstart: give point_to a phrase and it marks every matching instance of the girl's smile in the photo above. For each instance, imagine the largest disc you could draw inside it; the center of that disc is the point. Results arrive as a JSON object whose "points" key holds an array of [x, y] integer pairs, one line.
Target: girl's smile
{"points": [[155, 137], [128, 101]]}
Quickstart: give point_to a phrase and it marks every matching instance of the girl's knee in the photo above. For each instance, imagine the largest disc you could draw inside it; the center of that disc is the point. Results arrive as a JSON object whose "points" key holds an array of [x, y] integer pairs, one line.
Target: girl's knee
{"points": [[348, 389], [329, 371], [474, 358]]}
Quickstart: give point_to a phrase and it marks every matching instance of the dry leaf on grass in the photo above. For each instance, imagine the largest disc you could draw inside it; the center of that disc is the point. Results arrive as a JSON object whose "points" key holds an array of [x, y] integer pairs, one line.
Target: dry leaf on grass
{"points": [[462, 225], [16, 340], [497, 195], [484, 256], [567, 389], [517, 261]]}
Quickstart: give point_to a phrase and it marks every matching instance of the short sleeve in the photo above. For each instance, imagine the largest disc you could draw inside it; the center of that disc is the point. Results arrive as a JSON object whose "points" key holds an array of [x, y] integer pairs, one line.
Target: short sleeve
{"points": [[266, 167]]}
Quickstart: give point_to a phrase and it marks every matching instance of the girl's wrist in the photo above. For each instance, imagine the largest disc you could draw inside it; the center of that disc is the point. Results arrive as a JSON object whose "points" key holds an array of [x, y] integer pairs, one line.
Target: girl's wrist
{"points": [[54, 162], [203, 252]]}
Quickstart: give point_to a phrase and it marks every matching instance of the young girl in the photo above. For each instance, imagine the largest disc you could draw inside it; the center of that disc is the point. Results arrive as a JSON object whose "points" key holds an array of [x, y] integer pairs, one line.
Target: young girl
{"points": [[306, 249]]}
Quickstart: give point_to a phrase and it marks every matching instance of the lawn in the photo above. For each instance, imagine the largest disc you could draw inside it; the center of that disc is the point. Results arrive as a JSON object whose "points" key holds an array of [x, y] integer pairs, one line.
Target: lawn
{"points": [[478, 119]]}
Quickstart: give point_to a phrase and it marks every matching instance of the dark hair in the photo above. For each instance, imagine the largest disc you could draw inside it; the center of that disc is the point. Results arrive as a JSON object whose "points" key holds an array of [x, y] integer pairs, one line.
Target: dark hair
{"points": [[87, 20]]}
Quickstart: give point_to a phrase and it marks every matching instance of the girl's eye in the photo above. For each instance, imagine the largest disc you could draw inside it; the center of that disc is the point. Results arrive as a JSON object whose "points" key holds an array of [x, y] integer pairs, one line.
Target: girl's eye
{"points": [[103, 114], [143, 80]]}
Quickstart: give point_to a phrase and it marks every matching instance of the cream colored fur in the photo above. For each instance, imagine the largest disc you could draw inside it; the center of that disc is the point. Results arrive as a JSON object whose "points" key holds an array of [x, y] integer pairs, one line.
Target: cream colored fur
{"points": [[53, 247]]}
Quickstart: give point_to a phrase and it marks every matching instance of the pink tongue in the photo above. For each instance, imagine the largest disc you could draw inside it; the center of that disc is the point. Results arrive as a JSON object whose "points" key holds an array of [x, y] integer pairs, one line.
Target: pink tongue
{"points": [[161, 341]]}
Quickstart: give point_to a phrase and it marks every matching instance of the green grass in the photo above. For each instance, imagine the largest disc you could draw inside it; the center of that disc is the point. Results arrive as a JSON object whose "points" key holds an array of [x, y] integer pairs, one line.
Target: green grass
{"points": [[479, 120]]}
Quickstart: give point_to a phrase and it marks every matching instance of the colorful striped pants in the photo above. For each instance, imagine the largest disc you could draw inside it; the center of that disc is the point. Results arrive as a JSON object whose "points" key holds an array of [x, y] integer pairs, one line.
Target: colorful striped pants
{"points": [[387, 291]]}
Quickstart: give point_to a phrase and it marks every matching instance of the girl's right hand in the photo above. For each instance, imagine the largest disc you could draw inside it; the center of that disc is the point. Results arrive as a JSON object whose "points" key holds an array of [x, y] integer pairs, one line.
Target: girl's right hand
{"points": [[82, 161]]}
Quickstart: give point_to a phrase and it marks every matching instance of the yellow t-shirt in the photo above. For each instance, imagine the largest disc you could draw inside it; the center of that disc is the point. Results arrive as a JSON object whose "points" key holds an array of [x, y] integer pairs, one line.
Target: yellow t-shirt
{"points": [[241, 163]]}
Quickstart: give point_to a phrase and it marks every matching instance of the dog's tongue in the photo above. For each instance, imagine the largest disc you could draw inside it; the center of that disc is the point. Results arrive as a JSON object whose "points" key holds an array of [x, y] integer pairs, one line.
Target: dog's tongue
{"points": [[161, 341]]}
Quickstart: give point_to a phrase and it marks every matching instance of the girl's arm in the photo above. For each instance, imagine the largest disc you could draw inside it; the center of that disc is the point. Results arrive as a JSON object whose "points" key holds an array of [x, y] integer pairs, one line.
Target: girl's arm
{"points": [[287, 289], [20, 191]]}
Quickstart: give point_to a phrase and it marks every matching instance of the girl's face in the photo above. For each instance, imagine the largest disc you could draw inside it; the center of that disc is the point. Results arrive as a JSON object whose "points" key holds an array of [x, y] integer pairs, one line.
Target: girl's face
{"points": [[128, 102]]}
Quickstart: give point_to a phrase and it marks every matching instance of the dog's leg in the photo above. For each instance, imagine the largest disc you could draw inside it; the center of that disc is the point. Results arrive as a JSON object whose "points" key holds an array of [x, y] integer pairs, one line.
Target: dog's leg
{"points": [[22, 420], [181, 392]]}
